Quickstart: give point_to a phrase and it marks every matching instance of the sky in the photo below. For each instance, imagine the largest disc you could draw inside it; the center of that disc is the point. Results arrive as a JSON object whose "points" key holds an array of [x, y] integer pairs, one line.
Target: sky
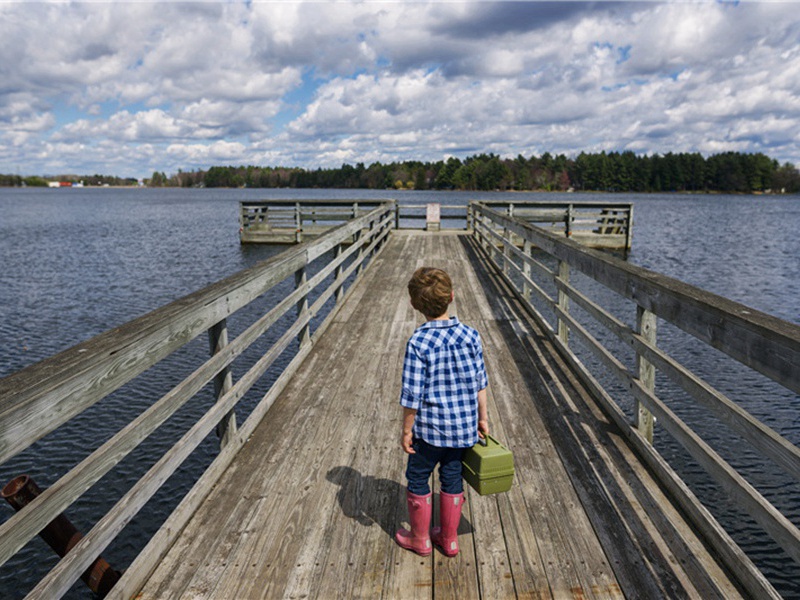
{"points": [[129, 88]]}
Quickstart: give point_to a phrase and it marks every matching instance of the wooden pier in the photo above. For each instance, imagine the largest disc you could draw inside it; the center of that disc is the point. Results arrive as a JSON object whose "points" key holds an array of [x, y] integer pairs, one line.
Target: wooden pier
{"points": [[305, 495], [310, 505]]}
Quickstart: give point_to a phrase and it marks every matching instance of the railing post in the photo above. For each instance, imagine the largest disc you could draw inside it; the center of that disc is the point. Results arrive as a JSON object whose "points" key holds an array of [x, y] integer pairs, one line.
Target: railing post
{"points": [[223, 381], [629, 228], [563, 302], [506, 250], [397, 215], [300, 279], [370, 236], [568, 222], [337, 275], [507, 241], [646, 323], [527, 250], [486, 241], [298, 223], [360, 258]]}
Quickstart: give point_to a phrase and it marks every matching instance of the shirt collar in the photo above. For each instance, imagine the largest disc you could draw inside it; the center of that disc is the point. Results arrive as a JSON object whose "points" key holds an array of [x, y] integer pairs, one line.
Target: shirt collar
{"points": [[451, 322]]}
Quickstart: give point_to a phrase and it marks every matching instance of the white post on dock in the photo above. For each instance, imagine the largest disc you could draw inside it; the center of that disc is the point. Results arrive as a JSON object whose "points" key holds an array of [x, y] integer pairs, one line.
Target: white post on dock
{"points": [[433, 217]]}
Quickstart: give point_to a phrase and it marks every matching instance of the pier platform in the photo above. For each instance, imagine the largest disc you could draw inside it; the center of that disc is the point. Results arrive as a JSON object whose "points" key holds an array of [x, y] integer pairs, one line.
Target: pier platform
{"points": [[309, 506]]}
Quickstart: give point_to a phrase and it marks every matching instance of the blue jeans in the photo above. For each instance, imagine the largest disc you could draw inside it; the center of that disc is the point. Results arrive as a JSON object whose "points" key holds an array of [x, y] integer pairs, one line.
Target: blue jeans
{"points": [[421, 465]]}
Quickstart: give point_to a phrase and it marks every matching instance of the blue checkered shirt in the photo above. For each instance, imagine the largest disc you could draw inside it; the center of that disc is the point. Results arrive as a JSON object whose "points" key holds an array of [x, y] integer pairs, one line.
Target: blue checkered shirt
{"points": [[443, 372]]}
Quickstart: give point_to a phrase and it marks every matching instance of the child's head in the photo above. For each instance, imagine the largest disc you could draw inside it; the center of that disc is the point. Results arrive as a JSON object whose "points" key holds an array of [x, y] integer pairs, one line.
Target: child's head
{"points": [[431, 291]]}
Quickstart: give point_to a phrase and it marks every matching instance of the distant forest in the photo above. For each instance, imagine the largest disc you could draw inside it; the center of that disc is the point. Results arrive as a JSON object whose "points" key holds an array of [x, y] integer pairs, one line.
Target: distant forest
{"points": [[729, 172]]}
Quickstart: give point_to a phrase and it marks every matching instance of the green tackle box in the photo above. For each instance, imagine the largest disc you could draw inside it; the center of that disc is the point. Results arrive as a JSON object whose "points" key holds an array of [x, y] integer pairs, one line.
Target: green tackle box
{"points": [[490, 468]]}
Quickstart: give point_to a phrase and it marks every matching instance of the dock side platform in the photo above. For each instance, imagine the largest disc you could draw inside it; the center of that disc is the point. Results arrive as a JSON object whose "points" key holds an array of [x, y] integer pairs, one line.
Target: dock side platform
{"points": [[309, 507]]}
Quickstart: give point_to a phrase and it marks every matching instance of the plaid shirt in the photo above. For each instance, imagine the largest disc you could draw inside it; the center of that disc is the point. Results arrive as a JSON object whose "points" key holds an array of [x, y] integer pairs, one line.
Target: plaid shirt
{"points": [[443, 372]]}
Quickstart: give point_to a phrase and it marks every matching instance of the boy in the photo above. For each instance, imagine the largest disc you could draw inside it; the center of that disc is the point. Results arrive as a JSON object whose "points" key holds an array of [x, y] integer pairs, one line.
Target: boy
{"points": [[444, 411]]}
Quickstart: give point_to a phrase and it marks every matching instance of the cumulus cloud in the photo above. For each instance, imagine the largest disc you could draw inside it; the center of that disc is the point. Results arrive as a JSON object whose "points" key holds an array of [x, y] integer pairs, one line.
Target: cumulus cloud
{"points": [[143, 86]]}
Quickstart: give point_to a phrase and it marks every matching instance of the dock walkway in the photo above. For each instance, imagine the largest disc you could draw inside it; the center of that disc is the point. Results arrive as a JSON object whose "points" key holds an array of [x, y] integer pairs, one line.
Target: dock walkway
{"points": [[309, 507]]}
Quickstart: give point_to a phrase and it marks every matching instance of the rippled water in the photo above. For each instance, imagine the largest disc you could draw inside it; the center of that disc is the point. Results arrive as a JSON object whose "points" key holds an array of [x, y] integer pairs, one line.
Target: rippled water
{"points": [[78, 262]]}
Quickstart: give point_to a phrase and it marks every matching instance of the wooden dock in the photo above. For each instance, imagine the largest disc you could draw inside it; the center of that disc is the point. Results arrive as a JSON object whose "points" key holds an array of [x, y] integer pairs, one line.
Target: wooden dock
{"points": [[303, 497], [309, 507]]}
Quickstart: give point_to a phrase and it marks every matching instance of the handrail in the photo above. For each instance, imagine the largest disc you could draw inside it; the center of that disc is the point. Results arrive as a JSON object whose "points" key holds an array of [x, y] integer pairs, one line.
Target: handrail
{"points": [[598, 224], [40, 398], [603, 224], [761, 342], [291, 220]]}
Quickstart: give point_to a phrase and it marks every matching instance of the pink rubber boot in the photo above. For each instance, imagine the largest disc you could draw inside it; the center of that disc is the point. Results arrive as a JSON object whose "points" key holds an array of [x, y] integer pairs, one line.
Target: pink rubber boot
{"points": [[446, 536], [419, 515]]}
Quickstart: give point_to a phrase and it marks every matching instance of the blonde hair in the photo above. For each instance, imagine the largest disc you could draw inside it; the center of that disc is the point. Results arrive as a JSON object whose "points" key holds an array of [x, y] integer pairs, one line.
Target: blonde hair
{"points": [[431, 291]]}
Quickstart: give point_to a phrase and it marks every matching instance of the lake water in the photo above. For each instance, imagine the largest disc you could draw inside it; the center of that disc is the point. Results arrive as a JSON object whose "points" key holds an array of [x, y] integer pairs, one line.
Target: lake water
{"points": [[77, 262]]}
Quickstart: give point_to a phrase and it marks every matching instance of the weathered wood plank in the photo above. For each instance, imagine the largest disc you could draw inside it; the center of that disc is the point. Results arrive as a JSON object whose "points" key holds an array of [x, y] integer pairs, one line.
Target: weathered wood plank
{"points": [[367, 502], [338, 542]]}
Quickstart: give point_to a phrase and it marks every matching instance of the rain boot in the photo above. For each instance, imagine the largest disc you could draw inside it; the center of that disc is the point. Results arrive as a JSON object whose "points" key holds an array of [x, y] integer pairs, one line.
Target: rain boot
{"points": [[446, 535], [419, 515]]}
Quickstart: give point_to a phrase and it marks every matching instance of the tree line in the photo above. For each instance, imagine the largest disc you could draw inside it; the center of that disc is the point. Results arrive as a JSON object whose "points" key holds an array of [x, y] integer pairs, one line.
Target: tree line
{"points": [[38, 181], [729, 172]]}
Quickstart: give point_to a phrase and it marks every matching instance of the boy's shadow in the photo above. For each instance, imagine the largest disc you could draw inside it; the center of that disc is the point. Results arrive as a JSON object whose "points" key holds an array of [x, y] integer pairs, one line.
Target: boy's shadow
{"points": [[369, 500]]}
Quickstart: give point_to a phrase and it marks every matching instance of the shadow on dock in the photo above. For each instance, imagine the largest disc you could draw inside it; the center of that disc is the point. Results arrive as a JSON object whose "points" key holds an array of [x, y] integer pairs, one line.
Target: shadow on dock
{"points": [[369, 500]]}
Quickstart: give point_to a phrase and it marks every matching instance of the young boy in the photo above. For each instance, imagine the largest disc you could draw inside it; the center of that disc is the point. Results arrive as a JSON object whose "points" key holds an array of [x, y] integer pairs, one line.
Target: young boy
{"points": [[444, 411]]}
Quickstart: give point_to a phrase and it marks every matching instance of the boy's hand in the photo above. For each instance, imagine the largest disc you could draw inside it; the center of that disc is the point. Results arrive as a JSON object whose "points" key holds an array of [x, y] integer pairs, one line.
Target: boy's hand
{"points": [[483, 428], [406, 442], [408, 425]]}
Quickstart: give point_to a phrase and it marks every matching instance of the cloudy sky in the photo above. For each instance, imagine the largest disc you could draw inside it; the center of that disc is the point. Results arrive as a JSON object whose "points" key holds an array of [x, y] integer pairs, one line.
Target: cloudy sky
{"points": [[126, 88]]}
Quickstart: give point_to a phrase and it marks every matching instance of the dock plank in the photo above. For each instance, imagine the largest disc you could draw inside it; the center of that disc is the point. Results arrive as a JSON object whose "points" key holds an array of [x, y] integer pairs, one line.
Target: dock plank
{"points": [[309, 507]]}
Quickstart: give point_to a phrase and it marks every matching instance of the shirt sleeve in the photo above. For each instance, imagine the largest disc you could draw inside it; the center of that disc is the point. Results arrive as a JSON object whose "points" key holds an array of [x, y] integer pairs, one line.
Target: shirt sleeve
{"points": [[483, 380], [414, 374]]}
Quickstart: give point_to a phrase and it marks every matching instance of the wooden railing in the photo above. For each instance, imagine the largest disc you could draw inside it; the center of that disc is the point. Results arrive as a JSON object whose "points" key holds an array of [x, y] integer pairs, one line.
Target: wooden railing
{"points": [[44, 396], [595, 224], [293, 221], [763, 343]]}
